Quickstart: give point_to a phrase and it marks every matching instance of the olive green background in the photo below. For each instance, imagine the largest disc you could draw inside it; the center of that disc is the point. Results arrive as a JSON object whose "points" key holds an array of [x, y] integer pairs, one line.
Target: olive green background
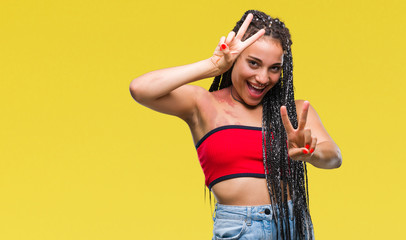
{"points": [[80, 159]]}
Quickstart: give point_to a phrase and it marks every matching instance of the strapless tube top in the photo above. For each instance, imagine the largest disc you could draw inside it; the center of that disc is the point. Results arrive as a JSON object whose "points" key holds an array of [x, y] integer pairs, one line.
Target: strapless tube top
{"points": [[231, 151]]}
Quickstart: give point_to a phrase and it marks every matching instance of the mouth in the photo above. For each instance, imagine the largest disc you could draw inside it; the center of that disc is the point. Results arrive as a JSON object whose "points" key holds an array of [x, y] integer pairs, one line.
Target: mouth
{"points": [[255, 90]]}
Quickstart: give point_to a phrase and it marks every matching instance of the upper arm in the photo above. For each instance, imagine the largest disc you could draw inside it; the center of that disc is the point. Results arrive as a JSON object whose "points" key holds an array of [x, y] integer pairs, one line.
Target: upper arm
{"points": [[181, 102]]}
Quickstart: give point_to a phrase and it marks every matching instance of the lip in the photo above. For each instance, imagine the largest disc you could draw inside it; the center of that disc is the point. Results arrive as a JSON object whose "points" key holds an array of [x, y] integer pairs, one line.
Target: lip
{"points": [[257, 87], [252, 94]]}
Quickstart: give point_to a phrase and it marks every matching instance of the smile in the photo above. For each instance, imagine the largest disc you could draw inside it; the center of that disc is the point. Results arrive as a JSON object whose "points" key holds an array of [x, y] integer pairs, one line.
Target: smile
{"points": [[255, 91], [257, 87]]}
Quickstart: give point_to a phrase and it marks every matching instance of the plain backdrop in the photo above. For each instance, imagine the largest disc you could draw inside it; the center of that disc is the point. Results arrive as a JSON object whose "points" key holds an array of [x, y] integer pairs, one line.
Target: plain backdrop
{"points": [[80, 159]]}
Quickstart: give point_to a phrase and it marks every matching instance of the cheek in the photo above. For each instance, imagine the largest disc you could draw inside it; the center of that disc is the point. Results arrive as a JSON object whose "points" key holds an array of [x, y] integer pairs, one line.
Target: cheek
{"points": [[275, 77], [240, 73], [247, 72]]}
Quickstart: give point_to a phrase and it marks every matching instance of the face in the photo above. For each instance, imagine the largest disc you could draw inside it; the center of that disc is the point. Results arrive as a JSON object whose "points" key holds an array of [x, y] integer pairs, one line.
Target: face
{"points": [[257, 70]]}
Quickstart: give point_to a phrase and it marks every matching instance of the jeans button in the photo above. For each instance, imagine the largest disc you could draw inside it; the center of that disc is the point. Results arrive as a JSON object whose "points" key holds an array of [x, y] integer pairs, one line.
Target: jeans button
{"points": [[267, 211]]}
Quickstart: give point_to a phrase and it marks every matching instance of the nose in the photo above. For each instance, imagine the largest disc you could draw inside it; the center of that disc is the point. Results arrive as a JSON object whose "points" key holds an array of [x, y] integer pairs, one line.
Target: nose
{"points": [[263, 77]]}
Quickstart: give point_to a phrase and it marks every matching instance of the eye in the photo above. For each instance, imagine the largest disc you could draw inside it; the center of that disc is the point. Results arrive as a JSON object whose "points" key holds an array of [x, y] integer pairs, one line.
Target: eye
{"points": [[275, 68], [253, 63]]}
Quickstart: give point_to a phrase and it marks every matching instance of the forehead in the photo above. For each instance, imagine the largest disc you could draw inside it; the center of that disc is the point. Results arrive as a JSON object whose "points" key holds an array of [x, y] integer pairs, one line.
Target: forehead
{"points": [[267, 49]]}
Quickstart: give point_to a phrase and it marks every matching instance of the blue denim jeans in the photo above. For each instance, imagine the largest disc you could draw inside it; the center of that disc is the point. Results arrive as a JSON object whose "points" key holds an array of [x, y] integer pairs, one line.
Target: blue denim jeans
{"points": [[247, 222]]}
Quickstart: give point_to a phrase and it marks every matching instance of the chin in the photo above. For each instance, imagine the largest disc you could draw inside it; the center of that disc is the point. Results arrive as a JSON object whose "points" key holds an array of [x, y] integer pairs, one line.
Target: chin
{"points": [[253, 103]]}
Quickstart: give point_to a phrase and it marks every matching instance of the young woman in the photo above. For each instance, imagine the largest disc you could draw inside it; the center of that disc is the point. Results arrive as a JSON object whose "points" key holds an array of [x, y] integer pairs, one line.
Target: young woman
{"points": [[253, 139]]}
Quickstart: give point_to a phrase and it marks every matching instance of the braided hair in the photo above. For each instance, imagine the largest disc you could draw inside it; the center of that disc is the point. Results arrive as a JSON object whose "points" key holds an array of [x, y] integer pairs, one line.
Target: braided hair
{"points": [[281, 173]]}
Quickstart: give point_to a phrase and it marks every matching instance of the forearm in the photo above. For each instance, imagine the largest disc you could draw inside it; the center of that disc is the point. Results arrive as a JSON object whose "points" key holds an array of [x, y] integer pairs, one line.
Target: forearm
{"points": [[158, 83], [327, 155]]}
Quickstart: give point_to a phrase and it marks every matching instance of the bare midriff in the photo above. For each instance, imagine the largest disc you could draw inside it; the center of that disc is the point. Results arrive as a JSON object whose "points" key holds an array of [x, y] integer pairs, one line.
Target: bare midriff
{"points": [[243, 191]]}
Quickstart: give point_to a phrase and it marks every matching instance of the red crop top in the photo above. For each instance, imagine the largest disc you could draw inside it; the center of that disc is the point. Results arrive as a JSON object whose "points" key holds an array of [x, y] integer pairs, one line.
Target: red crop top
{"points": [[229, 152]]}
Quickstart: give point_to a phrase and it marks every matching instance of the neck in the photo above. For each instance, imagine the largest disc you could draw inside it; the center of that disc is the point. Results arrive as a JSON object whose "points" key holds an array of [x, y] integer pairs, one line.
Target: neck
{"points": [[242, 102]]}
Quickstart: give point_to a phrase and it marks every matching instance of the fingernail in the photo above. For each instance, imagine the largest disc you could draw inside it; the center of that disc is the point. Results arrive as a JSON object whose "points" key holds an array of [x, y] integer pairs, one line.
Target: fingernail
{"points": [[307, 146], [311, 150], [223, 46], [305, 151]]}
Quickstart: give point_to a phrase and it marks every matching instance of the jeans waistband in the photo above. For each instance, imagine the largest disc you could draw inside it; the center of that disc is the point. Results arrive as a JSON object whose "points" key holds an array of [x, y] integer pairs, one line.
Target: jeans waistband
{"points": [[256, 213]]}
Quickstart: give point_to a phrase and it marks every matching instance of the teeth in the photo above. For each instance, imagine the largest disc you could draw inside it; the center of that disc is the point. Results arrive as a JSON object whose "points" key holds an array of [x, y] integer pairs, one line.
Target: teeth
{"points": [[259, 88]]}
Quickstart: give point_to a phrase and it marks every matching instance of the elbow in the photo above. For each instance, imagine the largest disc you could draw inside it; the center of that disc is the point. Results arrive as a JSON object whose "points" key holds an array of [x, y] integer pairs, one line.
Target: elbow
{"points": [[136, 91], [338, 160], [328, 159], [337, 163], [133, 90]]}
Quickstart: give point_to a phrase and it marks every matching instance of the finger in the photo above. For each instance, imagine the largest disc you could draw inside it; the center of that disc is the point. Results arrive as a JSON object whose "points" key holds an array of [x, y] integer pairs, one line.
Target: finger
{"points": [[303, 115], [221, 43], [254, 38], [297, 153], [313, 144], [285, 120], [222, 40], [244, 26], [307, 138], [218, 48], [230, 37], [224, 47]]}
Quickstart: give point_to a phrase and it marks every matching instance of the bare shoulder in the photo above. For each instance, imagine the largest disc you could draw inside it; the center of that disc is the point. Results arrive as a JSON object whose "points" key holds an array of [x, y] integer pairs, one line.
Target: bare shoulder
{"points": [[299, 109], [203, 100], [313, 121], [204, 97], [193, 95], [299, 106], [198, 91], [205, 113]]}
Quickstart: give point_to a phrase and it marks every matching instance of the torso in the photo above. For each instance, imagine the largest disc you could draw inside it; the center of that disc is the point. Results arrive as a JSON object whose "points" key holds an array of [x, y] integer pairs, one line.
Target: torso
{"points": [[217, 109]]}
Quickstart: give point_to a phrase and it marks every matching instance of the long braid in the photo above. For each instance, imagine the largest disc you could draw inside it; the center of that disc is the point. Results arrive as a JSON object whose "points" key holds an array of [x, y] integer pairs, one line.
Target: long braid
{"points": [[279, 168]]}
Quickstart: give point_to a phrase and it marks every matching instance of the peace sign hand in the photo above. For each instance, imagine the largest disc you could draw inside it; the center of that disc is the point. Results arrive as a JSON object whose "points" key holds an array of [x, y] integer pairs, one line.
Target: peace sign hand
{"points": [[230, 48], [300, 140]]}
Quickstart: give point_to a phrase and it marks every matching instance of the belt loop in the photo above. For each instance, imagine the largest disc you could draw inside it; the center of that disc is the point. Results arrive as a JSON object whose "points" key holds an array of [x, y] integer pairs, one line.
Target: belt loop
{"points": [[248, 221]]}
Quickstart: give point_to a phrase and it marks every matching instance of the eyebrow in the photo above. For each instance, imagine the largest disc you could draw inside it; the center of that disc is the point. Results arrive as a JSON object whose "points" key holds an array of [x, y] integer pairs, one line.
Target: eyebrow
{"points": [[259, 60]]}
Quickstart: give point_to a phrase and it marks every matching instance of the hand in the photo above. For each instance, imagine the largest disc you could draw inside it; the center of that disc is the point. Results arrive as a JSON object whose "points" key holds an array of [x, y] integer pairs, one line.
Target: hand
{"points": [[231, 47], [301, 143]]}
